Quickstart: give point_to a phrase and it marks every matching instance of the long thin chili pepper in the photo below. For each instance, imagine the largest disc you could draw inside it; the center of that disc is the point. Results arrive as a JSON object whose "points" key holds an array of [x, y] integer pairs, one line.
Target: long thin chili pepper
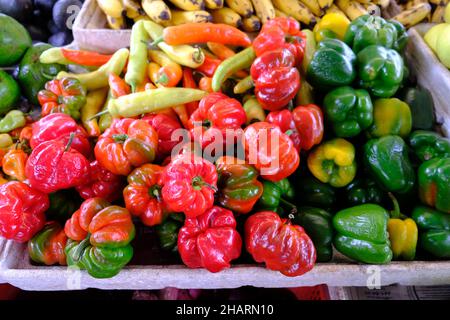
{"points": [[170, 73], [85, 58], [138, 56], [94, 101], [189, 82], [118, 86], [223, 52]]}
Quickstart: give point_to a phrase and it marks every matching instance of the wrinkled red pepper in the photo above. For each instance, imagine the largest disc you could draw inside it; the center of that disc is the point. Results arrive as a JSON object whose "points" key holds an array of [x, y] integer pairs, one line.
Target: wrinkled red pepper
{"points": [[276, 78], [102, 183], [216, 114], [210, 240], [281, 245], [22, 211], [189, 184], [60, 126], [55, 165], [270, 150], [304, 125]]}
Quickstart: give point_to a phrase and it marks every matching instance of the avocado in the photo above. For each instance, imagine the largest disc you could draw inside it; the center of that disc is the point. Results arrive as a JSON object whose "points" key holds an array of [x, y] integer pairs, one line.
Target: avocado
{"points": [[9, 92], [14, 40]]}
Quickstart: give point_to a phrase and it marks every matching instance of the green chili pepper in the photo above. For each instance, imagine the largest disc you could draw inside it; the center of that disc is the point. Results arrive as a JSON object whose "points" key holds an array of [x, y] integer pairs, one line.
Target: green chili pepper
{"points": [[243, 85], [137, 62], [230, 66], [253, 110], [13, 120], [139, 103], [99, 78]]}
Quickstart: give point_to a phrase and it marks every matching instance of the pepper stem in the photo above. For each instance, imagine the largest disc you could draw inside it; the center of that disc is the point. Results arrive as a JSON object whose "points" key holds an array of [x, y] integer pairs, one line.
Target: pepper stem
{"points": [[81, 247], [120, 137], [290, 205], [395, 214], [163, 79], [155, 191], [98, 115], [69, 143], [198, 183], [197, 57], [156, 41]]}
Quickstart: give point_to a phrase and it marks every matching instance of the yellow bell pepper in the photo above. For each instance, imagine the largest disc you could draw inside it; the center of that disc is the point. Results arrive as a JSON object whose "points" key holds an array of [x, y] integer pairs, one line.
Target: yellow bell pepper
{"points": [[332, 25]]}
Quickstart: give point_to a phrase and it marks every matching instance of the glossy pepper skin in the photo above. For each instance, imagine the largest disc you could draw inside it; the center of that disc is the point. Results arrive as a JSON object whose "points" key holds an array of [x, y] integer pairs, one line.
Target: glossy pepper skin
{"points": [[434, 189], [215, 114], [387, 160], [434, 227], [363, 190], [47, 246], [348, 110], [55, 165], [143, 194], [101, 183], [210, 240], [369, 30], [332, 65], [277, 196], [66, 95], [304, 125], [276, 78], [421, 104], [315, 193], [189, 184], [380, 70], [429, 145], [13, 163], [168, 231], [282, 246], [99, 238], [128, 143], [403, 234], [318, 225], [275, 162], [12, 120], [333, 162], [362, 234], [21, 211], [60, 126], [238, 184], [390, 117]]}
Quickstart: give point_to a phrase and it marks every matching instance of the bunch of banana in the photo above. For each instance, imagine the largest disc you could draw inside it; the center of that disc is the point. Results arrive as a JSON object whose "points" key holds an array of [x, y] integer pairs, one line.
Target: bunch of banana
{"points": [[416, 11]]}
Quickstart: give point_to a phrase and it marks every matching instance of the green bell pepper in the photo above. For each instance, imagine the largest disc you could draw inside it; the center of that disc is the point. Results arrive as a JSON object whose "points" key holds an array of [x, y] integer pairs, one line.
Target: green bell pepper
{"points": [[317, 224], [361, 191], [434, 227], [12, 120], [390, 117], [332, 65], [277, 196], [380, 70], [421, 104], [369, 30], [429, 145], [387, 160], [362, 234], [168, 230], [434, 186], [348, 110], [402, 36], [315, 193]]}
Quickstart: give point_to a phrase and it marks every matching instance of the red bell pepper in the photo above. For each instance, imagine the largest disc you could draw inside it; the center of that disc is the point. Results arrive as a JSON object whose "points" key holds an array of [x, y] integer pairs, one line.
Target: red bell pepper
{"points": [[304, 125], [189, 184], [60, 126], [55, 165], [210, 240], [276, 78], [165, 127], [270, 150], [127, 143], [216, 114], [102, 183], [143, 194], [281, 245], [21, 211]]}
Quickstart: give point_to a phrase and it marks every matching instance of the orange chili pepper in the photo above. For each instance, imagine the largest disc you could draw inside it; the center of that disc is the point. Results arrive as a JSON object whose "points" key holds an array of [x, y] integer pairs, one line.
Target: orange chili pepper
{"points": [[189, 82], [85, 58], [170, 73], [205, 84], [14, 162], [26, 133], [142, 87], [118, 86]]}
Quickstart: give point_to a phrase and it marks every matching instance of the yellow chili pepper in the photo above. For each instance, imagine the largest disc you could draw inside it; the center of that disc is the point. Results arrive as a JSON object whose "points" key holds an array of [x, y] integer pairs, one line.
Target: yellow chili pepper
{"points": [[94, 101], [253, 110], [138, 56], [106, 119]]}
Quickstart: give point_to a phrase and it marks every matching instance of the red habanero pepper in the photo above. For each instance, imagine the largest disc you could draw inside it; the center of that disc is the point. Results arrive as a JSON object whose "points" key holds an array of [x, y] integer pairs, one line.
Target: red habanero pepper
{"points": [[281, 245], [143, 194], [189, 184], [270, 151], [285, 120], [85, 58], [54, 165], [216, 113], [276, 78], [127, 143], [118, 86], [165, 126], [189, 82], [210, 240], [59, 126], [102, 183], [21, 211]]}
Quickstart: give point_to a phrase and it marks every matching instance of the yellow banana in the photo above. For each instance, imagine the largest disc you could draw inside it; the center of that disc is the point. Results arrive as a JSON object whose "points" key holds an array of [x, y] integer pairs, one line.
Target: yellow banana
{"points": [[243, 7], [334, 9], [351, 8], [382, 3], [325, 4], [264, 10], [116, 23], [364, 1], [157, 10], [279, 13], [227, 16], [133, 9], [414, 15], [214, 4], [251, 24], [182, 17], [373, 9], [313, 6], [189, 5], [112, 8], [141, 18], [438, 14], [295, 9]]}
